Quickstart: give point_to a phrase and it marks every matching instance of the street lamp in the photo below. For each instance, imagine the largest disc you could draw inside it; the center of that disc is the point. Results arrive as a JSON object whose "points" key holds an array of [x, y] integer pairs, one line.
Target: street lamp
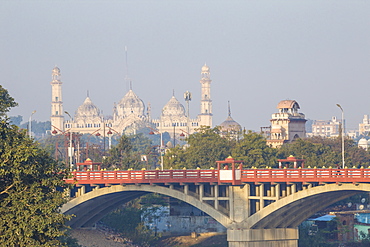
{"points": [[187, 97], [342, 134], [29, 124], [70, 153], [161, 146]]}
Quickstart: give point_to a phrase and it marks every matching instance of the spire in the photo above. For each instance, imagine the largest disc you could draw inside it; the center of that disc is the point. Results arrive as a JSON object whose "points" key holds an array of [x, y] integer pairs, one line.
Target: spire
{"points": [[228, 102], [126, 65], [88, 93], [127, 78], [173, 92], [130, 85]]}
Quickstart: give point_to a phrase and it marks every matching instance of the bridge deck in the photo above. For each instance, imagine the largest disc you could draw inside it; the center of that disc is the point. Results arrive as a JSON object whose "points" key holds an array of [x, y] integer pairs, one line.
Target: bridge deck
{"points": [[212, 176]]}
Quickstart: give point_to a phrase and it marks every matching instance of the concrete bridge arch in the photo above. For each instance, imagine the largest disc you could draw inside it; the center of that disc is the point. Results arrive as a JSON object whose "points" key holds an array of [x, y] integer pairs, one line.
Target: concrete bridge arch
{"points": [[271, 224], [291, 211], [92, 206]]}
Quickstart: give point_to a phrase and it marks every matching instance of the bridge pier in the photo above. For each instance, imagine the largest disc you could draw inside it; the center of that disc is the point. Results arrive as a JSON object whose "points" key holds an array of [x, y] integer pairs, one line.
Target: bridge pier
{"points": [[277, 237]]}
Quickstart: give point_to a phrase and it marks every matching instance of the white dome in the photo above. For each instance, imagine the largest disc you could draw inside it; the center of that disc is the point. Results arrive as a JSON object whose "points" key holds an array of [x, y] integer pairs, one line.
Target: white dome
{"points": [[205, 68], [56, 71], [173, 108], [362, 142], [230, 125], [130, 104], [87, 109]]}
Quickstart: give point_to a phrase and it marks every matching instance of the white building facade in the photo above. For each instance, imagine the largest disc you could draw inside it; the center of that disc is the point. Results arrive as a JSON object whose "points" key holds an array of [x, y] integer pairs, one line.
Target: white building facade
{"points": [[326, 128], [130, 113], [286, 125]]}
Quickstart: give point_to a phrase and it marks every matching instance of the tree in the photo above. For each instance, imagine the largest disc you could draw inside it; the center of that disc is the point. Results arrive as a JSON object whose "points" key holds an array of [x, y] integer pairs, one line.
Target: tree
{"points": [[16, 120], [127, 153], [29, 178], [205, 147], [318, 151], [6, 102], [252, 149]]}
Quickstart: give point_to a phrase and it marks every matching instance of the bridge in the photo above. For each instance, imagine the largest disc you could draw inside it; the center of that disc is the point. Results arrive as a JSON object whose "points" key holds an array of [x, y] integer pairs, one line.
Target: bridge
{"points": [[259, 207]]}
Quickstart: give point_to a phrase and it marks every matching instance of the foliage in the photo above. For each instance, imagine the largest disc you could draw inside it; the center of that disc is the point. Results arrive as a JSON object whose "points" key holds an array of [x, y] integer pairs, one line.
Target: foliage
{"points": [[39, 128], [124, 219], [6, 102], [16, 120], [29, 200], [205, 147], [307, 238], [252, 149], [319, 152], [127, 153], [129, 219]]}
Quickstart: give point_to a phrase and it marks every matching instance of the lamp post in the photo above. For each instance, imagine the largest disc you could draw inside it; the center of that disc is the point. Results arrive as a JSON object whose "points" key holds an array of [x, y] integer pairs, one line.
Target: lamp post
{"points": [[187, 97], [161, 146], [340, 107], [70, 153], [29, 124]]}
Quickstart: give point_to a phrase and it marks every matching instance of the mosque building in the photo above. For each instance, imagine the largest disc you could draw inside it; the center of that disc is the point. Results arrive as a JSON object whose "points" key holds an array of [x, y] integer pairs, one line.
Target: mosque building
{"points": [[130, 114], [230, 128], [286, 125]]}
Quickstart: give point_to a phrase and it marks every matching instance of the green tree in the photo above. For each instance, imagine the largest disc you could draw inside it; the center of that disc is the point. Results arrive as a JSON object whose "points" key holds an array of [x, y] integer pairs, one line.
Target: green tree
{"points": [[127, 153], [29, 198], [318, 151], [16, 120], [6, 102], [252, 149], [204, 148], [39, 128]]}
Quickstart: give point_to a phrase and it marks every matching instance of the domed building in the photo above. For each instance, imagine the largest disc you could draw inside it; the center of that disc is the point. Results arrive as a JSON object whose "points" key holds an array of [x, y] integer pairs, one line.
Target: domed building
{"points": [[287, 124], [129, 114], [363, 143], [88, 117], [230, 127]]}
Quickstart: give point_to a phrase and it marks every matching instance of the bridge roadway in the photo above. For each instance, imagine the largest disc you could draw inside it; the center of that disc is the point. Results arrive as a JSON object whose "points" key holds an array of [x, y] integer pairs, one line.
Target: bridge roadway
{"points": [[259, 207]]}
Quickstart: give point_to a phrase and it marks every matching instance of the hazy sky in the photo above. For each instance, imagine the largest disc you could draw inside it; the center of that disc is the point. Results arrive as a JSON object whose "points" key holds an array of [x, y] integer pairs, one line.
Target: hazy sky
{"points": [[259, 52]]}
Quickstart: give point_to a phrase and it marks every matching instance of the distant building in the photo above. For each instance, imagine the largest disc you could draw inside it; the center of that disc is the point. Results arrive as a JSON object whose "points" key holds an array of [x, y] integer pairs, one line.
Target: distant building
{"points": [[363, 143], [130, 114], [364, 127], [287, 124], [230, 127], [326, 128]]}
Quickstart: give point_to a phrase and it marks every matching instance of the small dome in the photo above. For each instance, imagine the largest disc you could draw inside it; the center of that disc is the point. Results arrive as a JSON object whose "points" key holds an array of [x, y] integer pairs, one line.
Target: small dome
{"points": [[230, 125], [56, 70], [205, 68], [87, 109], [131, 103], [288, 104], [173, 108], [362, 142]]}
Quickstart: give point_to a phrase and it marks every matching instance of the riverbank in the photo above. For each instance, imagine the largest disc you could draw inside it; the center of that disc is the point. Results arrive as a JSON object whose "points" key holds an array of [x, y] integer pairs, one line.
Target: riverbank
{"points": [[102, 236]]}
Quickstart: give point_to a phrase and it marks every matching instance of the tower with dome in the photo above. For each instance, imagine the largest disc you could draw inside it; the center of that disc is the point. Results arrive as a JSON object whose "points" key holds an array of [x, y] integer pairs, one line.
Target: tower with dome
{"points": [[56, 117], [129, 114], [286, 125]]}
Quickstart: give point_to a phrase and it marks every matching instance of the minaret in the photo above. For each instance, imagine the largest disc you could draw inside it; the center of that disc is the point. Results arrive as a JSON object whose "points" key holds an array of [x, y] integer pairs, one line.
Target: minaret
{"points": [[56, 117], [205, 102]]}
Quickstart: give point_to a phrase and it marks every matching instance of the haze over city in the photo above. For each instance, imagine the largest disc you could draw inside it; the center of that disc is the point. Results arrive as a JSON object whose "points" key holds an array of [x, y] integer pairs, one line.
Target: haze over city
{"points": [[259, 53]]}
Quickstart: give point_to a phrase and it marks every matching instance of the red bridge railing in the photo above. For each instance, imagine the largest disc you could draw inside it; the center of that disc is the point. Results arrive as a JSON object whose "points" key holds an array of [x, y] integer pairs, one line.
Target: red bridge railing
{"points": [[306, 175], [150, 176], [212, 176]]}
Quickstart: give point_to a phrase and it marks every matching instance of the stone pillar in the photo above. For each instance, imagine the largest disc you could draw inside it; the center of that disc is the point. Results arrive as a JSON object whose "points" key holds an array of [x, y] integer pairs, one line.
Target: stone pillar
{"points": [[276, 237]]}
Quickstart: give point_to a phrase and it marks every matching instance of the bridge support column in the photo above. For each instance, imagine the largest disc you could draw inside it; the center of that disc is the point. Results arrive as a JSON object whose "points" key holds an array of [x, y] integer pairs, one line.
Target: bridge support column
{"points": [[276, 237]]}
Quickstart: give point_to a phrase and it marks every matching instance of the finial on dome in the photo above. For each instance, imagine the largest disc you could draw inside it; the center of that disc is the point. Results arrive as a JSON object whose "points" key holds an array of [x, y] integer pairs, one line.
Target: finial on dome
{"points": [[228, 105], [130, 85], [88, 93], [173, 92]]}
